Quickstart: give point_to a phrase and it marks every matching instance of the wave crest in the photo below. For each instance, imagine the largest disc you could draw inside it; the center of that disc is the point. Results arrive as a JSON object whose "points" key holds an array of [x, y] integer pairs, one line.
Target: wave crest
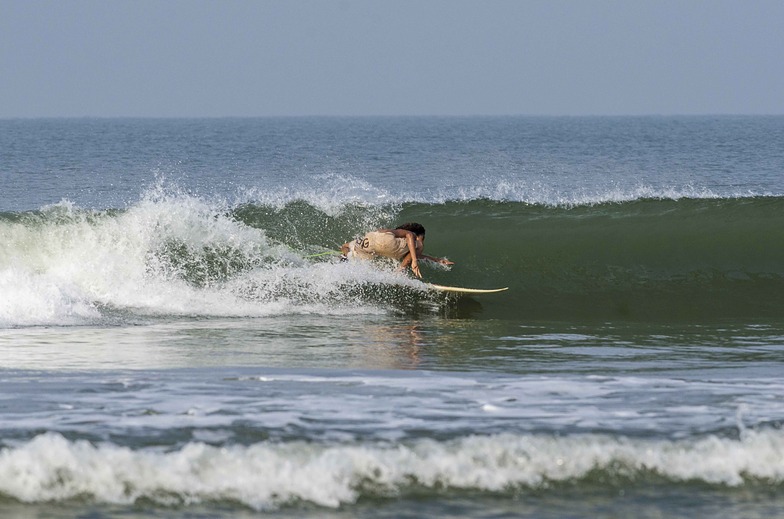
{"points": [[270, 475]]}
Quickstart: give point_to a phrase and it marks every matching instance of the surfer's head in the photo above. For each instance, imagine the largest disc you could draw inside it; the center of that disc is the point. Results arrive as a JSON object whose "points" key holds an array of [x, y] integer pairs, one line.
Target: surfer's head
{"points": [[416, 228]]}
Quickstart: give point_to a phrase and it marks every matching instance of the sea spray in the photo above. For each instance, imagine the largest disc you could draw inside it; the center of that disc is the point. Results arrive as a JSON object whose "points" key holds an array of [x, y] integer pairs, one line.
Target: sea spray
{"points": [[169, 254]]}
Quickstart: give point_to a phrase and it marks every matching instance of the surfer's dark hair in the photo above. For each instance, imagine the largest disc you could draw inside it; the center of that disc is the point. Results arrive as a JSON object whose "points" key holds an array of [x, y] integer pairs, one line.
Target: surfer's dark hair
{"points": [[416, 228]]}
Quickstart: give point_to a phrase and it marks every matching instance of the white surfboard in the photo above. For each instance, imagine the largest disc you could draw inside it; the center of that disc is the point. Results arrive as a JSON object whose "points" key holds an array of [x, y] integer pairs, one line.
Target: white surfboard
{"points": [[462, 290]]}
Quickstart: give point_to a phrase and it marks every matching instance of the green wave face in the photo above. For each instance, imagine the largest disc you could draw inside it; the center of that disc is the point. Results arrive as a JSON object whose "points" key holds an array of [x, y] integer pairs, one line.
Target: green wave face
{"points": [[647, 259]]}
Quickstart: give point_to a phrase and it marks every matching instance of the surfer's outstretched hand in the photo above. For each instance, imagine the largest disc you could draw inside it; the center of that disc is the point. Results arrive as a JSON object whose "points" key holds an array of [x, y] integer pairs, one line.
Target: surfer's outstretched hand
{"points": [[440, 261]]}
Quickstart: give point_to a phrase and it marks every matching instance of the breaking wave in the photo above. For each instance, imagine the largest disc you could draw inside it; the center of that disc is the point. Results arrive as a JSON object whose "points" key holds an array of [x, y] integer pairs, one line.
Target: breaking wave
{"points": [[178, 254], [271, 475]]}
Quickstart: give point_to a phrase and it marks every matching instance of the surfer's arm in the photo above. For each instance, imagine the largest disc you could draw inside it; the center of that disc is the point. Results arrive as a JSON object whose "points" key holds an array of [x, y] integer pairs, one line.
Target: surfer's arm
{"points": [[406, 261], [411, 257]]}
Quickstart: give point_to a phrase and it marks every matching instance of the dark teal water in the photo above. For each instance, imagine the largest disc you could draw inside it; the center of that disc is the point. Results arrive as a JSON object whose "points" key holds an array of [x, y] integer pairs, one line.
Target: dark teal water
{"points": [[177, 340]]}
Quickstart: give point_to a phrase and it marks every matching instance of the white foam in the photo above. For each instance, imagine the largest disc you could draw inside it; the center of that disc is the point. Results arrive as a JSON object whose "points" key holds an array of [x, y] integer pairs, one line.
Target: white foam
{"points": [[68, 265], [29, 299], [268, 475]]}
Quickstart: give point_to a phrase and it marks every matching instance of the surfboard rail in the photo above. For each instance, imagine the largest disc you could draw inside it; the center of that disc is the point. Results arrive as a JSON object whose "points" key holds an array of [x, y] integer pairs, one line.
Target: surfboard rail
{"points": [[464, 290]]}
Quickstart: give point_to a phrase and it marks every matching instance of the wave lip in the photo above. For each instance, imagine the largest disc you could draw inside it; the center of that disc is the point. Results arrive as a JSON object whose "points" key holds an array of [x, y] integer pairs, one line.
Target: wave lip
{"points": [[331, 193], [269, 475]]}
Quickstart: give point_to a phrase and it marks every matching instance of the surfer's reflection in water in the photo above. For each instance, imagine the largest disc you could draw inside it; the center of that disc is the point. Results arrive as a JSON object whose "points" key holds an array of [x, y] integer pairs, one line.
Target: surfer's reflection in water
{"points": [[416, 345], [404, 244], [390, 347]]}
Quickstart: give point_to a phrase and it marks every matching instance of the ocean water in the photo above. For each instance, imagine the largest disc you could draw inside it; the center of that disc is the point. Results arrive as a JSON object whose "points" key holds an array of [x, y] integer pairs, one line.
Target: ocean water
{"points": [[178, 339]]}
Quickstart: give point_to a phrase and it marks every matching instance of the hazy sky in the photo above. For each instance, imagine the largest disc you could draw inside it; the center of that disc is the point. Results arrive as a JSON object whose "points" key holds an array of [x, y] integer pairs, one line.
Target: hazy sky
{"points": [[419, 57]]}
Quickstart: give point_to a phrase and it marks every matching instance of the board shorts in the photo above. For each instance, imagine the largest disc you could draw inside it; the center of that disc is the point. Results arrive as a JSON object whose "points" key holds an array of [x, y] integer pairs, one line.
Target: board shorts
{"points": [[378, 244]]}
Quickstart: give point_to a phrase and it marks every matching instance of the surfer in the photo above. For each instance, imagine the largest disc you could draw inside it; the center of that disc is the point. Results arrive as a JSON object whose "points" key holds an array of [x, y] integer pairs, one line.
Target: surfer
{"points": [[404, 244]]}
